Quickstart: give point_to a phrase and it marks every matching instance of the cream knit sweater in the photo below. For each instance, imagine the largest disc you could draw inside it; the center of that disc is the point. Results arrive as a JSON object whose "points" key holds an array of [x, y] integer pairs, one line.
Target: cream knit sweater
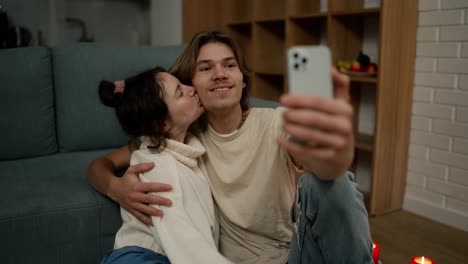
{"points": [[188, 231]]}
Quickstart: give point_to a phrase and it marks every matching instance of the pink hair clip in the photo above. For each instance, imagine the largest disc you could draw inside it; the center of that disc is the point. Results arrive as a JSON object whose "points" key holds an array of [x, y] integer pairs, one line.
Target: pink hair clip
{"points": [[119, 86]]}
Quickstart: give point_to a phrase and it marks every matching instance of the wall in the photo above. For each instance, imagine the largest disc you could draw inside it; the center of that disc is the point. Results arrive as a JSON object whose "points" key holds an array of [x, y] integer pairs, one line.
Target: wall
{"points": [[437, 179], [111, 21], [166, 22], [33, 15], [117, 21]]}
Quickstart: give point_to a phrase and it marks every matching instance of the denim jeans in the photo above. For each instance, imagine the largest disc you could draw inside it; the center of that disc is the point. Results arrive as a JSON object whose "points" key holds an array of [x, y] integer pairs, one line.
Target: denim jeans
{"points": [[330, 224], [134, 254]]}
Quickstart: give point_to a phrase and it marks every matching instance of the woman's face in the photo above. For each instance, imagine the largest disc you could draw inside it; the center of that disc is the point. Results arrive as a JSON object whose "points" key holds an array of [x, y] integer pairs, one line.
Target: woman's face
{"points": [[183, 103]]}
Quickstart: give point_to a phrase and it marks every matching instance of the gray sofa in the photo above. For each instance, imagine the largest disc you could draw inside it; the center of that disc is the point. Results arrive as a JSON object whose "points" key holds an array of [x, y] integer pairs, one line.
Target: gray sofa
{"points": [[51, 126]]}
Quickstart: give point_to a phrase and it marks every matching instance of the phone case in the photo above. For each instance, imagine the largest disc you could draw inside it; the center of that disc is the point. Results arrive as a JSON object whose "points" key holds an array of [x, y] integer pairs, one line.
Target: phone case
{"points": [[309, 70]]}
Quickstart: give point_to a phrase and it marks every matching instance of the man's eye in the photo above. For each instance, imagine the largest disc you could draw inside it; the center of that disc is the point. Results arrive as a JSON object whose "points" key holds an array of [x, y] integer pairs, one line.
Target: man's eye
{"points": [[204, 69], [231, 65]]}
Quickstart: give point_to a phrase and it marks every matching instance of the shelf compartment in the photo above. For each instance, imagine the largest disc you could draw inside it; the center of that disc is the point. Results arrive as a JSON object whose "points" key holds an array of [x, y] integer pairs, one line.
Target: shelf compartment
{"points": [[236, 11], [306, 7], [363, 172], [346, 39], [242, 34], [357, 12], [270, 20], [363, 79], [364, 142], [268, 86], [307, 31], [309, 16], [352, 5], [269, 55], [239, 23], [363, 96], [354, 34], [267, 9]]}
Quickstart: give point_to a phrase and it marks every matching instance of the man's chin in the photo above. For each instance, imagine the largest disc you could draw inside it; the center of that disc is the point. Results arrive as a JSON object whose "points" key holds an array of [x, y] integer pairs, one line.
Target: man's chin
{"points": [[221, 107]]}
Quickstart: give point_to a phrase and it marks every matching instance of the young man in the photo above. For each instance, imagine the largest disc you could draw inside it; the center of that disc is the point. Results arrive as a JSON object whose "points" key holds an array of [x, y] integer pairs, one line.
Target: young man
{"points": [[250, 164]]}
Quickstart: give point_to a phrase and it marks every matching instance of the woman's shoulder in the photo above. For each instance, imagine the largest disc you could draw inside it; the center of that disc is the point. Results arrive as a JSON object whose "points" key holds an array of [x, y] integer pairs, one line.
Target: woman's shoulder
{"points": [[165, 166], [146, 155]]}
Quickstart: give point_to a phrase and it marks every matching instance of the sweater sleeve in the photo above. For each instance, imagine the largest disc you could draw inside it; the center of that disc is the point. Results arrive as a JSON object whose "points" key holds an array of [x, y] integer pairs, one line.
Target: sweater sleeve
{"points": [[180, 239]]}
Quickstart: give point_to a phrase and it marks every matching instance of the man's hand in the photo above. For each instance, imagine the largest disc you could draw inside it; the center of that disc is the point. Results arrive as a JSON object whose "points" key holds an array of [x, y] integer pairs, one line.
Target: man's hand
{"points": [[321, 130], [134, 196]]}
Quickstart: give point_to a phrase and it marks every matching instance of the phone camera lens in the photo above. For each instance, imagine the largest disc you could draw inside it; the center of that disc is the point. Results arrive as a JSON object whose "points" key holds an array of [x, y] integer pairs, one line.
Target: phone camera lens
{"points": [[295, 55], [304, 60], [296, 66]]}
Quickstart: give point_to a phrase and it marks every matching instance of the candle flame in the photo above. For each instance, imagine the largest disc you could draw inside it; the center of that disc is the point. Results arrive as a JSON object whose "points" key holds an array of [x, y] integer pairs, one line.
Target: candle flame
{"points": [[422, 260]]}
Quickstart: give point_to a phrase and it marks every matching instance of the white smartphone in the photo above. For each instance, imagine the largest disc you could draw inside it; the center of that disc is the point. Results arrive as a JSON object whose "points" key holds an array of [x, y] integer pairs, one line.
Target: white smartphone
{"points": [[309, 71]]}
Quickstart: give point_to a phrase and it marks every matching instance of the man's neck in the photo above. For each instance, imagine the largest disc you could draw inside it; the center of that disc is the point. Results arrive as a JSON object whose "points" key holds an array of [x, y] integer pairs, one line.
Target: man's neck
{"points": [[225, 122]]}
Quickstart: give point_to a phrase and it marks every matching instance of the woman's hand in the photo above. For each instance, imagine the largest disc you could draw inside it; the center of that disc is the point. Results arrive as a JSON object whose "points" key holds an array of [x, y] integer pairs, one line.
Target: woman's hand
{"points": [[135, 196], [321, 130]]}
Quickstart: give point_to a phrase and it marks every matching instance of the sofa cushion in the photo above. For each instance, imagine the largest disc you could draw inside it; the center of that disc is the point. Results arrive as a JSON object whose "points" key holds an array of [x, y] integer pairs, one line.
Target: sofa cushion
{"points": [[27, 121], [57, 213], [83, 123], [262, 103]]}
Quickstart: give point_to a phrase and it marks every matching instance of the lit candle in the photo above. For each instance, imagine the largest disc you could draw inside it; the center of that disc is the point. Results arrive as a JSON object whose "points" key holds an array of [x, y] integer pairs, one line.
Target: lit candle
{"points": [[422, 260], [375, 252]]}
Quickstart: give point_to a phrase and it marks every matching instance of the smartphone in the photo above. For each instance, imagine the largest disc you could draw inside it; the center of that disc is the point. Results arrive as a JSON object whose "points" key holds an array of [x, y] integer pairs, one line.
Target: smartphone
{"points": [[309, 71]]}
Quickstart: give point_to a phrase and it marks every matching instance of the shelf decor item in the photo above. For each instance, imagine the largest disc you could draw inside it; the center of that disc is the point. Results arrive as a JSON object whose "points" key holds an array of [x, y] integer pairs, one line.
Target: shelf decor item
{"points": [[375, 252], [422, 260]]}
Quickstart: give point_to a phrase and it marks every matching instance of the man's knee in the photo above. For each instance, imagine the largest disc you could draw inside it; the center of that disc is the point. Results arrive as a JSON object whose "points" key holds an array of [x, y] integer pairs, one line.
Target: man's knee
{"points": [[337, 197]]}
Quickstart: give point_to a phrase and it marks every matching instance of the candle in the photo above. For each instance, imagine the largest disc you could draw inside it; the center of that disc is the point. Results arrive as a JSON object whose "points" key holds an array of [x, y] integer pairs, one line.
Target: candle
{"points": [[375, 252], [422, 260]]}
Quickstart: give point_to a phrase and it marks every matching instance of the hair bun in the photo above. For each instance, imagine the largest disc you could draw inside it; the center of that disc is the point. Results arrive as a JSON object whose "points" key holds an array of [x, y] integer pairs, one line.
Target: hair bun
{"points": [[107, 94]]}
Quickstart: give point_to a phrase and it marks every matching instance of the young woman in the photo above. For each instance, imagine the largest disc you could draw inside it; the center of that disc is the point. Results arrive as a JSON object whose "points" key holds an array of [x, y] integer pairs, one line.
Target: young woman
{"points": [[156, 109]]}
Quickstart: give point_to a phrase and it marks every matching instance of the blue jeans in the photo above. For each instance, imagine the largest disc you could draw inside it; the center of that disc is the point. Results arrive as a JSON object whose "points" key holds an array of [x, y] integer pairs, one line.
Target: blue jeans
{"points": [[331, 223], [133, 254]]}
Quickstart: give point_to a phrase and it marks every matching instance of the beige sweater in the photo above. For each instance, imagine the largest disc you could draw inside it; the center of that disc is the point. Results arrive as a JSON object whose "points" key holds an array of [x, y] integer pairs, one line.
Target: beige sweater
{"points": [[250, 180], [188, 231]]}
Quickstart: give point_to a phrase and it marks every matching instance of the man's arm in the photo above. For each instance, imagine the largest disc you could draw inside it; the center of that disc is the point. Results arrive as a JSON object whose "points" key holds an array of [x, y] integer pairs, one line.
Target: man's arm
{"points": [[127, 190], [101, 170], [323, 129]]}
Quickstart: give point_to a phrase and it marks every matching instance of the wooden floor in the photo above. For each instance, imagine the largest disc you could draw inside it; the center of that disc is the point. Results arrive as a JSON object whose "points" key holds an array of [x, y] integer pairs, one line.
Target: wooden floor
{"points": [[403, 235]]}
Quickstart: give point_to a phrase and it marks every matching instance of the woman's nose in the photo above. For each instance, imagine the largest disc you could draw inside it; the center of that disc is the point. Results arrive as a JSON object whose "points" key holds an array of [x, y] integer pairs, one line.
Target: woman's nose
{"points": [[189, 90]]}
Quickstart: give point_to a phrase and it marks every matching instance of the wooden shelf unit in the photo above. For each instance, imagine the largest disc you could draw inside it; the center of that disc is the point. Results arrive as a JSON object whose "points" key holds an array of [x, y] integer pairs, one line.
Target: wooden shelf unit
{"points": [[266, 28], [269, 47]]}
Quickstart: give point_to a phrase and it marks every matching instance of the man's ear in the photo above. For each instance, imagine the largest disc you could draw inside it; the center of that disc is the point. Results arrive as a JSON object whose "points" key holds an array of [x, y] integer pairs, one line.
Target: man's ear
{"points": [[167, 126]]}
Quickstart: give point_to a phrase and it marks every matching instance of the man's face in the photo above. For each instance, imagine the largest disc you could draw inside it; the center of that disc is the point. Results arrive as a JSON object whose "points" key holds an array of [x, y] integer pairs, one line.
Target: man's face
{"points": [[217, 78]]}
